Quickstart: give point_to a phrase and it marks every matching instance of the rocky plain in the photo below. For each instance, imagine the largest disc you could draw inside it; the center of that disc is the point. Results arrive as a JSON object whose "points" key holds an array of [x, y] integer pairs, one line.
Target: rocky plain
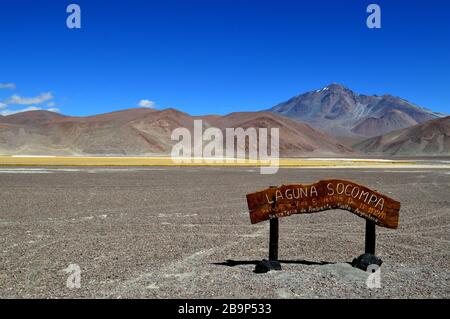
{"points": [[168, 232]]}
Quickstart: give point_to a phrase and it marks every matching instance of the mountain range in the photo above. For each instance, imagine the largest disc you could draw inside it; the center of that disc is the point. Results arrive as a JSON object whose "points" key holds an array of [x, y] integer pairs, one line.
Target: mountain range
{"points": [[144, 132], [332, 121]]}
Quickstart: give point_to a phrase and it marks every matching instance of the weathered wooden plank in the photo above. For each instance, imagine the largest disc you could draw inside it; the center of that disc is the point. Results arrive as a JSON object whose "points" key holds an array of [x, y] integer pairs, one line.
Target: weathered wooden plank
{"points": [[324, 195]]}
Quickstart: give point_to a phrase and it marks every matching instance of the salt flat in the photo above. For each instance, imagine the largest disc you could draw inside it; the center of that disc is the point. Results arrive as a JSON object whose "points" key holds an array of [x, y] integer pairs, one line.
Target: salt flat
{"points": [[181, 232]]}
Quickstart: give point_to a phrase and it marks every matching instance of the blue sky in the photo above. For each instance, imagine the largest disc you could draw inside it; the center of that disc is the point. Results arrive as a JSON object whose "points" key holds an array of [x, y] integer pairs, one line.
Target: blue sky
{"points": [[206, 57]]}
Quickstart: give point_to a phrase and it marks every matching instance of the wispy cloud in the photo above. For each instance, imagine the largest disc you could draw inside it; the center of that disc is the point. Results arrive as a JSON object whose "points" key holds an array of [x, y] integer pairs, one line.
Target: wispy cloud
{"points": [[29, 108], [7, 112], [10, 86], [17, 99], [30, 103], [147, 104]]}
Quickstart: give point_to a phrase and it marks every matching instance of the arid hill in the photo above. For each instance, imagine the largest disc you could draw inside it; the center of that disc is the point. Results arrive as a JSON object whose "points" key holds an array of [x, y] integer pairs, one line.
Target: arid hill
{"points": [[429, 138], [144, 132]]}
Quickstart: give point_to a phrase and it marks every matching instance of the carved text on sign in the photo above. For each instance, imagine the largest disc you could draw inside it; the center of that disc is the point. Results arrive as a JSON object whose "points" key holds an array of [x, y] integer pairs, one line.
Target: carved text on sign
{"points": [[324, 195]]}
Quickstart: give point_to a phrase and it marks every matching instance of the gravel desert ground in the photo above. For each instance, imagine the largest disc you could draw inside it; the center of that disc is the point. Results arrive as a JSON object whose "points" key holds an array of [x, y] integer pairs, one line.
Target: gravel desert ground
{"points": [[168, 232]]}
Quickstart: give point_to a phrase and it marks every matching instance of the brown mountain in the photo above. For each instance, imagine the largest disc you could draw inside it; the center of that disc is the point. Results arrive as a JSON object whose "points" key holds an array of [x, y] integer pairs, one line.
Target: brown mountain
{"points": [[296, 138], [391, 121], [345, 114], [429, 138], [143, 132]]}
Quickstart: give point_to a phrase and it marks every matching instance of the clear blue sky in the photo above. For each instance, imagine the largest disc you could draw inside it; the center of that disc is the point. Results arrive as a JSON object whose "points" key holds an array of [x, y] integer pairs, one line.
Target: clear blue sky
{"points": [[219, 56]]}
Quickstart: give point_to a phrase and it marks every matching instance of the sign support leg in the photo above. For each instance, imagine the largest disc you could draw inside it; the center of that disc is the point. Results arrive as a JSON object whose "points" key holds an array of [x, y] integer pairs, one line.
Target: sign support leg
{"points": [[273, 239], [370, 237], [368, 258]]}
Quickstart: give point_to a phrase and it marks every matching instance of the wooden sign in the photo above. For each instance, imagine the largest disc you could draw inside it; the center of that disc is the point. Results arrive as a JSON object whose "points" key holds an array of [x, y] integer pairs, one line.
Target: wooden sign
{"points": [[324, 195]]}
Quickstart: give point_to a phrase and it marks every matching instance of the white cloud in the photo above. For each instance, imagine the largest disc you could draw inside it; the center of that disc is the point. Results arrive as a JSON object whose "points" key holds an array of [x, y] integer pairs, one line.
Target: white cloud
{"points": [[10, 86], [29, 102], [16, 99], [147, 103], [29, 108], [7, 112]]}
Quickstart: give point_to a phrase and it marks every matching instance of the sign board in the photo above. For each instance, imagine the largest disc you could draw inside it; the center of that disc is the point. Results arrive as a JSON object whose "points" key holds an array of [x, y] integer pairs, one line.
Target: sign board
{"points": [[286, 200]]}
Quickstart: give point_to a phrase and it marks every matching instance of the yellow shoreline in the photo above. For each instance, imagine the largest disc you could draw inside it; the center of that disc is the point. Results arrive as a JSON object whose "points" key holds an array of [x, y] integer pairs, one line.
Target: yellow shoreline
{"points": [[167, 161]]}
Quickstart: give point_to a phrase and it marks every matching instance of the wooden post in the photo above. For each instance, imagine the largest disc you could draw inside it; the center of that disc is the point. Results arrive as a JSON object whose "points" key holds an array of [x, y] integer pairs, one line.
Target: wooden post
{"points": [[273, 239], [370, 237], [273, 234]]}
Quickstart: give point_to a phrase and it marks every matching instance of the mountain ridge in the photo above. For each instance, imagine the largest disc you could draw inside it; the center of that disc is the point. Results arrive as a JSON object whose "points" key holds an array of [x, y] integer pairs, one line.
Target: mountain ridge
{"points": [[144, 132], [337, 110], [429, 138], [333, 120]]}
